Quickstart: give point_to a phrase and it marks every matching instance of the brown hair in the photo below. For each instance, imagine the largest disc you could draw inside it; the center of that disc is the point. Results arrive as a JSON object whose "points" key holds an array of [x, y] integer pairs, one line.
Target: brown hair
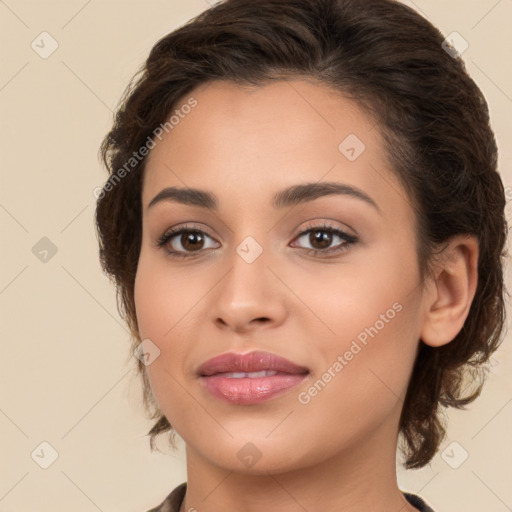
{"points": [[432, 116]]}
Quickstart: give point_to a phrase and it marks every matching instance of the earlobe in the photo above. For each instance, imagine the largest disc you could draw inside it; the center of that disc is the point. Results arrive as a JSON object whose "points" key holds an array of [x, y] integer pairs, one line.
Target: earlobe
{"points": [[450, 293]]}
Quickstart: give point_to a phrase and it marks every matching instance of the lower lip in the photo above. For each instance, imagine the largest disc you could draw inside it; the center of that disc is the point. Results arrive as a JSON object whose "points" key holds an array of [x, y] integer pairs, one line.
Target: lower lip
{"points": [[251, 391]]}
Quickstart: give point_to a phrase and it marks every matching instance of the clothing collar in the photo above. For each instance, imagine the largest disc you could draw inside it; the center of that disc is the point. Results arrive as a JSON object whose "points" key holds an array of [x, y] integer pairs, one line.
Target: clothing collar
{"points": [[174, 501]]}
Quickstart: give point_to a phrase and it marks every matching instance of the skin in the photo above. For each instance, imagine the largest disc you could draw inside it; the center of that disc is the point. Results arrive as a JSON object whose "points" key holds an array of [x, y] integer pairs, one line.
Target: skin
{"points": [[337, 452]]}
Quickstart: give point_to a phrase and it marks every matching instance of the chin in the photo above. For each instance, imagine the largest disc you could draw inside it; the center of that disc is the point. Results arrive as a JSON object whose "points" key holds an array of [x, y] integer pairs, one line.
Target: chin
{"points": [[258, 456]]}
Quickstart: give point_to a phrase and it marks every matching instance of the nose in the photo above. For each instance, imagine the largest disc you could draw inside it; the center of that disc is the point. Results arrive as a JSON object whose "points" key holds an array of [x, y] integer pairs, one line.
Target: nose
{"points": [[249, 296]]}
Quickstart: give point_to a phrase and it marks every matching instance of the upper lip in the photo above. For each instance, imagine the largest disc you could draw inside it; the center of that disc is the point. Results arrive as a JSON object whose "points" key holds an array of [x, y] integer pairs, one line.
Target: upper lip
{"points": [[251, 362]]}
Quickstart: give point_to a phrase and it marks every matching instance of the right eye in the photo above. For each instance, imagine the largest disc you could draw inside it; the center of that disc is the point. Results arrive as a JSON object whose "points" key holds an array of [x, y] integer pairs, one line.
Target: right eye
{"points": [[183, 242]]}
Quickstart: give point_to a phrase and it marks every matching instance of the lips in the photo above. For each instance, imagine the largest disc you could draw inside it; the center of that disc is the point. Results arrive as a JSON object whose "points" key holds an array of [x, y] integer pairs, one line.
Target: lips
{"points": [[250, 378], [252, 362]]}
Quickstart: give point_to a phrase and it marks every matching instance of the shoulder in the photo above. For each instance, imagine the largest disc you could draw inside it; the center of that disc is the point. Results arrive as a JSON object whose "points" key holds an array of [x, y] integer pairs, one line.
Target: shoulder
{"points": [[417, 502], [173, 502]]}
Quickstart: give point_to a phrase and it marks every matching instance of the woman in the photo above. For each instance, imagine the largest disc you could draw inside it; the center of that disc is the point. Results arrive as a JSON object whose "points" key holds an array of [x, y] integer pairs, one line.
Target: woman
{"points": [[306, 227]]}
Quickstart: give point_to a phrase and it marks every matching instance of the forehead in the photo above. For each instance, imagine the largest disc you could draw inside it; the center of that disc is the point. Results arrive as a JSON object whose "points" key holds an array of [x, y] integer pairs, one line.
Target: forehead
{"points": [[249, 139]]}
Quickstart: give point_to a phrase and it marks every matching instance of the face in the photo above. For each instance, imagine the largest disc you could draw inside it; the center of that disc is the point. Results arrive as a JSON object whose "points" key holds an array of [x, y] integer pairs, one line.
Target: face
{"points": [[324, 277]]}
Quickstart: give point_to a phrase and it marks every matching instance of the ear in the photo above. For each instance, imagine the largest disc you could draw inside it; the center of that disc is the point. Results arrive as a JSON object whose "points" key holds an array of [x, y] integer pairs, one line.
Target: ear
{"points": [[450, 292]]}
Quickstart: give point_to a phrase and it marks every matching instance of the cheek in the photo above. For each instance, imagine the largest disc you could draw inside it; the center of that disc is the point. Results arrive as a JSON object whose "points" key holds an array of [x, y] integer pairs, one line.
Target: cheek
{"points": [[162, 297], [364, 380], [345, 300], [167, 303], [370, 327]]}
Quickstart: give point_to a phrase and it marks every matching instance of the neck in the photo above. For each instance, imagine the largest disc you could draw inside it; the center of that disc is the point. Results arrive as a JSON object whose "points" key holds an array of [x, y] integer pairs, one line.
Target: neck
{"points": [[361, 478]]}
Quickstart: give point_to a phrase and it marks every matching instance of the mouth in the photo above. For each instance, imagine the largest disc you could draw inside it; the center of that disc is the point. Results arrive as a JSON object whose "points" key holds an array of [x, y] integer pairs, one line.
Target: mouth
{"points": [[250, 378]]}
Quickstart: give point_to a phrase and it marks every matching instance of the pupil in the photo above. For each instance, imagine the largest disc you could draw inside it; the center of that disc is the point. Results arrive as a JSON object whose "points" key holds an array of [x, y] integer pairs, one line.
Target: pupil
{"points": [[191, 240], [323, 237]]}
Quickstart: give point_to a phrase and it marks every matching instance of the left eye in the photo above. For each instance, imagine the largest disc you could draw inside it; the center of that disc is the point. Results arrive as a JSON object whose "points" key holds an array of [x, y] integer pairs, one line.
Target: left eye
{"points": [[321, 238]]}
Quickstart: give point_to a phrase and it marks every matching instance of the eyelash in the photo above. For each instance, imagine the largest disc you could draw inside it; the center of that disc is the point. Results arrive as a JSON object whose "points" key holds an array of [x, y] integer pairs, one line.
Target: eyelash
{"points": [[163, 241]]}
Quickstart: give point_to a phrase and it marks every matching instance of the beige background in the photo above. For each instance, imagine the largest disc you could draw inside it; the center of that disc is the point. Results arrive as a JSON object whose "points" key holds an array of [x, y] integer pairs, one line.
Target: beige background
{"points": [[66, 375]]}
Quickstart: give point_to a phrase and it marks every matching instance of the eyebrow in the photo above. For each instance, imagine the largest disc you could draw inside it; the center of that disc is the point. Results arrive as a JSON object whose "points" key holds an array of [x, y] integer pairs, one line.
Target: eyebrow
{"points": [[291, 196]]}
